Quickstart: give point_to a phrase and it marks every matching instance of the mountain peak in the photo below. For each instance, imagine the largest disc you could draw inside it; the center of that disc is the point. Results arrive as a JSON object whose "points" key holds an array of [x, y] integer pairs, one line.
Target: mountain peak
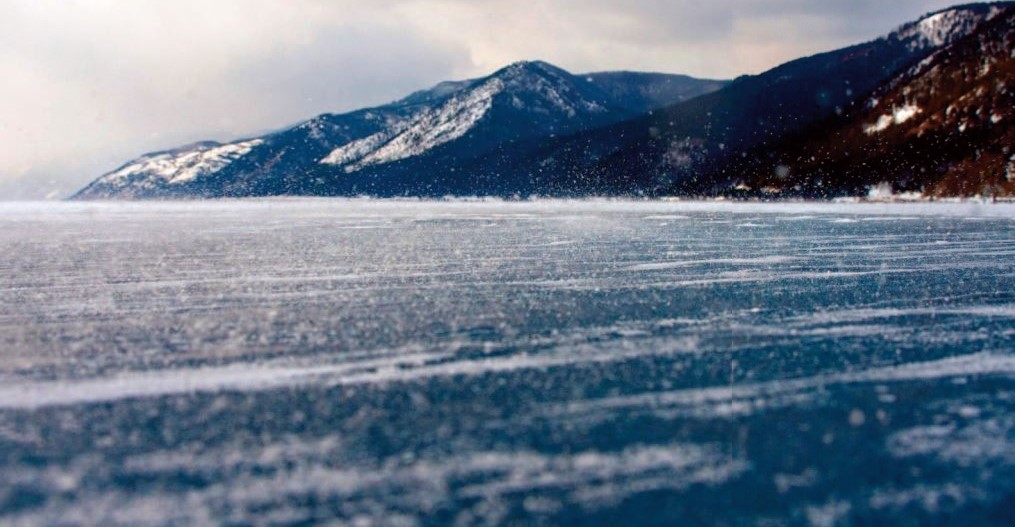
{"points": [[528, 69], [384, 150], [945, 26], [531, 65], [535, 93]]}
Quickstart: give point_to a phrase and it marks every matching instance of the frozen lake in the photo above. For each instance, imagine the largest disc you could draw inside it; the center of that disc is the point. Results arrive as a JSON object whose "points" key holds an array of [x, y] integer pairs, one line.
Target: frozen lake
{"points": [[555, 363]]}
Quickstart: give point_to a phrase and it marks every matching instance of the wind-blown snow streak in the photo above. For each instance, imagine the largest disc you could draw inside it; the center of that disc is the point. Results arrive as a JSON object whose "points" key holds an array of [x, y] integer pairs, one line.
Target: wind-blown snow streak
{"points": [[593, 479], [412, 366], [746, 398], [480, 362], [398, 367]]}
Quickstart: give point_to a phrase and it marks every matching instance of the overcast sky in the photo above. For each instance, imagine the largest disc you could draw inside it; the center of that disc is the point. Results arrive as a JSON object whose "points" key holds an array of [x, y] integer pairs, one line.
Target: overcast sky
{"points": [[88, 84]]}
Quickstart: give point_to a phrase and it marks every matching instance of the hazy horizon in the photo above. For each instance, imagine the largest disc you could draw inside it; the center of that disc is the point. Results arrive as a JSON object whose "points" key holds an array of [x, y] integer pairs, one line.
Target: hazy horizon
{"points": [[92, 84]]}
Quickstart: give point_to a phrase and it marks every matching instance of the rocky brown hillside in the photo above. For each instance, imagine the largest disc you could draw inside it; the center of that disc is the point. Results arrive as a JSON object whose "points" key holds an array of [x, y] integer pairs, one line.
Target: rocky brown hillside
{"points": [[942, 128]]}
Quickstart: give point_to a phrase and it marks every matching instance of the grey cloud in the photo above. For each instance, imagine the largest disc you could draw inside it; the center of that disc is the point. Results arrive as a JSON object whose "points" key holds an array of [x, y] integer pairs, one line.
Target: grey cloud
{"points": [[84, 93]]}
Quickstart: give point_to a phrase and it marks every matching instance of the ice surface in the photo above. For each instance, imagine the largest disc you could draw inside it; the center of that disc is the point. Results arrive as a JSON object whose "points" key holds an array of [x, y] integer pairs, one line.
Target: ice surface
{"points": [[486, 362]]}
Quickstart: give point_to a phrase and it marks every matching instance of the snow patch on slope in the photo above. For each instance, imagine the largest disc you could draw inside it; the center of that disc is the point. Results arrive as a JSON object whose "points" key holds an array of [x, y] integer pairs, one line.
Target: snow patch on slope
{"points": [[557, 92], [360, 148], [899, 115], [429, 129], [942, 28], [532, 86], [935, 30], [176, 167]]}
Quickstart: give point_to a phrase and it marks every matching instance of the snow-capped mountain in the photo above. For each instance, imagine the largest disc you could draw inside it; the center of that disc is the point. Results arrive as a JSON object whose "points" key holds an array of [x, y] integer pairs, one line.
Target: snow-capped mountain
{"points": [[531, 87], [683, 149], [534, 129], [941, 128], [392, 149], [445, 148]]}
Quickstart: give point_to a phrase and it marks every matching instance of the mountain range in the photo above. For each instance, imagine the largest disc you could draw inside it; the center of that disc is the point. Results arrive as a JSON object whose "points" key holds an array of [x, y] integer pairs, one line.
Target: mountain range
{"points": [[924, 109]]}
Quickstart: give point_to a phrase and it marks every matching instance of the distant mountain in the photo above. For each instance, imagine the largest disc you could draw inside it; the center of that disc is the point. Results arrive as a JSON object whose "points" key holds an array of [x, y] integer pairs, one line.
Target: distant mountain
{"points": [[420, 145], [676, 150], [941, 128], [534, 129], [644, 92]]}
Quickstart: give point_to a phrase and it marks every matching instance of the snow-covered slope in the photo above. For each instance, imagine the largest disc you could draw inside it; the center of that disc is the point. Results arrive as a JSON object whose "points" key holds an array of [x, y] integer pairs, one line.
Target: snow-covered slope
{"points": [[210, 169], [528, 87], [944, 27], [427, 130], [335, 153], [179, 166]]}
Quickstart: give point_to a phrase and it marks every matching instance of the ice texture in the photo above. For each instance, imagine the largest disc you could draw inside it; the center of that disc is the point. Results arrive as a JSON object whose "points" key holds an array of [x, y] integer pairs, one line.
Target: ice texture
{"points": [[486, 363]]}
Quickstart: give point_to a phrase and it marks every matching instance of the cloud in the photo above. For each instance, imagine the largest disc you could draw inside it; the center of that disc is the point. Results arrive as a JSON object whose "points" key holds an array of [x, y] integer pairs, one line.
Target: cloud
{"points": [[91, 83], [718, 38]]}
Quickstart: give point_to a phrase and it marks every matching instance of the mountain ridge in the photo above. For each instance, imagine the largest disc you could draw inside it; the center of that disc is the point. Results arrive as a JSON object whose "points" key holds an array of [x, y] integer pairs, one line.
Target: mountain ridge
{"points": [[670, 150], [941, 128], [354, 141], [532, 128]]}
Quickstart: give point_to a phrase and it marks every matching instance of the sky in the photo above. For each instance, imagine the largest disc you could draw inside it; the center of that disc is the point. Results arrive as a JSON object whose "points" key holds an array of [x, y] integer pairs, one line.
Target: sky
{"points": [[89, 84]]}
